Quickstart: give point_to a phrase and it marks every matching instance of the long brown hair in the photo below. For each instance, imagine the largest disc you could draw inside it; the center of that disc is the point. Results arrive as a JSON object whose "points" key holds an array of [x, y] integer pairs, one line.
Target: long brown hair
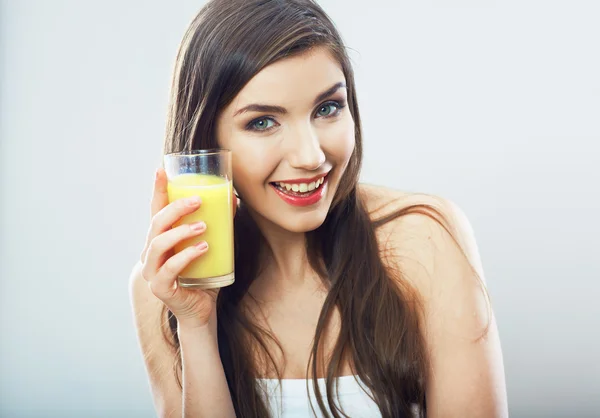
{"points": [[228, 43]]}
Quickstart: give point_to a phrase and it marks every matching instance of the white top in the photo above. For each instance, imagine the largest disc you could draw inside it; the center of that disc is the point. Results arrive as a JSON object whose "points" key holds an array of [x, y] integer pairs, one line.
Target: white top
{"points": [[291, 400]]}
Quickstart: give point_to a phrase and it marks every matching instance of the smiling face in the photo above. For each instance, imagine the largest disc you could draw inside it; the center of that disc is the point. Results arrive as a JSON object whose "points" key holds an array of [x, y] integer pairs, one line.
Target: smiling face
{"points": [[291, 135]]}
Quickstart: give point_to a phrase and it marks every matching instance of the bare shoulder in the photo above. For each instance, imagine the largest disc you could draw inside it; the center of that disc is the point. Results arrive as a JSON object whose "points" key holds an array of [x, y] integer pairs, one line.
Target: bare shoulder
{"points": [[428, 242], [422, 231], [377, 198], [382, 201]]}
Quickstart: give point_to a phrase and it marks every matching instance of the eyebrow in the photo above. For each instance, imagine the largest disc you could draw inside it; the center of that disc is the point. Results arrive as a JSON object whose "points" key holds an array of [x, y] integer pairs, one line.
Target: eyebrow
{"points": [[255, 107]]}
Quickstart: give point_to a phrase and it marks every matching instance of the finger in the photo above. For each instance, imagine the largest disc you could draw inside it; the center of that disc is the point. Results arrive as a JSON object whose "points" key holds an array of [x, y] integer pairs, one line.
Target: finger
{"points": [[163, 285], [167, 216], [160, 197], [164, 243]]}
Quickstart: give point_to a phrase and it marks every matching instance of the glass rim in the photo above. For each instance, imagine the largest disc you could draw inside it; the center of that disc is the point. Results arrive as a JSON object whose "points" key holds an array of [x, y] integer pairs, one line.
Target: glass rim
{"points": [[198, 152]]}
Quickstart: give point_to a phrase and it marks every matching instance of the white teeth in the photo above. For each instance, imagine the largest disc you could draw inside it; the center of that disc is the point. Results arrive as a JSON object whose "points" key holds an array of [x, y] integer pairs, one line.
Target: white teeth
{"points": [[302, 187]]}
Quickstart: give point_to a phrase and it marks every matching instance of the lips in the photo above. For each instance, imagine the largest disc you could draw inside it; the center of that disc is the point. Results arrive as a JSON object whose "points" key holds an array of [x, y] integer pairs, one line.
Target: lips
{"points": [[301, 185], [302, 193]]}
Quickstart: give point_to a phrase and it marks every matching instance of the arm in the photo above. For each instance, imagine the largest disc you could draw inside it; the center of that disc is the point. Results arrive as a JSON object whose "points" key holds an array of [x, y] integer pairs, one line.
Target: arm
{"points": [[466, 377], [205, 392]]}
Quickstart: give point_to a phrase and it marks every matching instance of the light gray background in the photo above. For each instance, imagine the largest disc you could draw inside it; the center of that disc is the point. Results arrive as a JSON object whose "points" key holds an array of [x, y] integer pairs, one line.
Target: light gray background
{"points": [[493, 104]]}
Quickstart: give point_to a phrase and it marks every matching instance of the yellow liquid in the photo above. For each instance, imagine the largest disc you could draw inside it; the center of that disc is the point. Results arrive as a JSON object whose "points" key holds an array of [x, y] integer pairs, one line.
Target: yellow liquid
{"points": [[216, 211]]}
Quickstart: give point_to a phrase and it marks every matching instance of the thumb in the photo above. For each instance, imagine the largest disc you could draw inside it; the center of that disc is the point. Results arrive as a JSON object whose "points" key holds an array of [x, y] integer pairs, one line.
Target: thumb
{"points": [[160, 198]]}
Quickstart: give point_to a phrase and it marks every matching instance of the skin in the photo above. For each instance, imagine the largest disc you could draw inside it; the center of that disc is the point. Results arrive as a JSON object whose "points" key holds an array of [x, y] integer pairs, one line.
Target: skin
{"points": [[467, 375]]}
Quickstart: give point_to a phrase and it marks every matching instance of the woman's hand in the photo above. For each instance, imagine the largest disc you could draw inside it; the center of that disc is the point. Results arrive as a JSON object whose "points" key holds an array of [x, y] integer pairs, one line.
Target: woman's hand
{"points": [[161, 266]]}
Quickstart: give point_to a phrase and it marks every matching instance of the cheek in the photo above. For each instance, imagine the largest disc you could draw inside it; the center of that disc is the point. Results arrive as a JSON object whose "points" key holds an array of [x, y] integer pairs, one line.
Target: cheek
{"points": [[339, 141], [253, 162]]}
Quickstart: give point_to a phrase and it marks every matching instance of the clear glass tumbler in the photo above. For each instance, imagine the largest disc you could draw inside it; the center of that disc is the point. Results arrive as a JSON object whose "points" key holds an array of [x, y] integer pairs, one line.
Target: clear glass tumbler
{"points": [[208, 174]]}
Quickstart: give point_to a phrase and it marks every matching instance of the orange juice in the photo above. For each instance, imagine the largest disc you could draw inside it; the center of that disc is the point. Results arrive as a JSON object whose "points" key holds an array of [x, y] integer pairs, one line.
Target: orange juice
{"points": [[216, 265]]}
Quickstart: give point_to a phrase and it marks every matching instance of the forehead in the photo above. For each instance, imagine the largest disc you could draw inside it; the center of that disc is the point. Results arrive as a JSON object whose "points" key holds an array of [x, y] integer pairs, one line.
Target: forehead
{"points": [[295, 80]]}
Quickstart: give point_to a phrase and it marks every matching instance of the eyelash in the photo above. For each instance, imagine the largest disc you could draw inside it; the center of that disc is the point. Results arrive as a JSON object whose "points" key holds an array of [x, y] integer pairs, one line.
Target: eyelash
{"points": [[338, 104]]}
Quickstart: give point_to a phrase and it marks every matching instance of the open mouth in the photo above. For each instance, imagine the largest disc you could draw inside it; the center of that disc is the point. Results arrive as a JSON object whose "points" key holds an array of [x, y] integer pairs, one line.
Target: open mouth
{"points": [[299, 189], [301, 194]]}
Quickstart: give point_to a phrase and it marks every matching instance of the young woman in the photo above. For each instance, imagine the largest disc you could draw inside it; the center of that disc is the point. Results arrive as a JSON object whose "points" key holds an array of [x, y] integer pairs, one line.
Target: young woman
{"points": [[367, 302]]}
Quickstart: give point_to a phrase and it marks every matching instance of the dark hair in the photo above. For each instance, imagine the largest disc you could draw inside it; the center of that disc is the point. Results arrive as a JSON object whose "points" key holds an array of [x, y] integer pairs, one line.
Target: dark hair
{"points": [[228, 43]]}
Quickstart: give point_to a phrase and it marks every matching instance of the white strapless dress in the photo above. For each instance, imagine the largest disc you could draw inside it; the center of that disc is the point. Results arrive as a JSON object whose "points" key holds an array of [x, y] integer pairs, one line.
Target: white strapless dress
{"points": [[291, 398]]}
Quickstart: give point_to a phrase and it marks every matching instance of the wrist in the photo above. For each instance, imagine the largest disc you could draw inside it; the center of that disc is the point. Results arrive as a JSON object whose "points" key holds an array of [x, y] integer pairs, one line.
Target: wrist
{"points": [[199, 329]]}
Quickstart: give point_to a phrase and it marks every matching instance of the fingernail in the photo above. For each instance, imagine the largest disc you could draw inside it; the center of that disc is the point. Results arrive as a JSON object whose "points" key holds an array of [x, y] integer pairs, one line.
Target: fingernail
{"points": [[202, 245], [156, 174], [198, 226], [192, 201]]}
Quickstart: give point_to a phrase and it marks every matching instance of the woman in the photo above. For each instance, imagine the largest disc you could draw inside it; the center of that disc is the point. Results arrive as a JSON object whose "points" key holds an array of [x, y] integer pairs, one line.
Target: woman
{"points": [[369, 302]]}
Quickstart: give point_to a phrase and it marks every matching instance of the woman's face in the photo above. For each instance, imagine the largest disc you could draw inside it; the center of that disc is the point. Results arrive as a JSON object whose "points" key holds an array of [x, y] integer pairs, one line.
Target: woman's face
{"points": [[291, 135]]}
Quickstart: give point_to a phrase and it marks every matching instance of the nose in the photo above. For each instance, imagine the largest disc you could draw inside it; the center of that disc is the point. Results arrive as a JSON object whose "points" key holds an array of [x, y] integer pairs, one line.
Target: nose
{"points": [[304, 149]]}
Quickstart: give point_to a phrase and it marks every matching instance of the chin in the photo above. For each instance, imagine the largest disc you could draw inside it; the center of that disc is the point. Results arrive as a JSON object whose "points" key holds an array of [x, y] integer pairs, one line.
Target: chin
{"points": [[303, 222]]}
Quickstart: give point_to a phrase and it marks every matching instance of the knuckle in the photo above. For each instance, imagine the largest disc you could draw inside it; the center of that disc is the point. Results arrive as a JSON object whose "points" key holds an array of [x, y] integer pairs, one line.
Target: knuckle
{"points": [[175, 264], [155, 288], [155, 246], [161, 215], [180, 229], [170, 268], [189, 253], [144, 272], [155, 221], [182, 205], [183, 231]]}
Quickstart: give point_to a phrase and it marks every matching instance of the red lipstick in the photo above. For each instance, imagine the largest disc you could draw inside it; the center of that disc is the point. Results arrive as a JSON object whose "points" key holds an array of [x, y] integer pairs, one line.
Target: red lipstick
{"points": [[298, 198], [299, 181]]}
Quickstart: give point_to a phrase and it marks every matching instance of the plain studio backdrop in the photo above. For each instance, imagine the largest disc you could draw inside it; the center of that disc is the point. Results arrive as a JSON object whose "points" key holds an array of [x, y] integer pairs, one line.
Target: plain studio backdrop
{"points": [[492, 104]]}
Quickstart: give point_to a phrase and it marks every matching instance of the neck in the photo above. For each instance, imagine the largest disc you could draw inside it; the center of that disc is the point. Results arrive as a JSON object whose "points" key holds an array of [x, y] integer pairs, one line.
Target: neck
{"points": [[284, 259]]}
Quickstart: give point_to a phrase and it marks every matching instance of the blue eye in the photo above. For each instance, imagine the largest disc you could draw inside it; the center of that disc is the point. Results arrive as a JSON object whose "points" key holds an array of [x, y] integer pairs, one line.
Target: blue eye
{"points": [[329, 109], [262, 124]]}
